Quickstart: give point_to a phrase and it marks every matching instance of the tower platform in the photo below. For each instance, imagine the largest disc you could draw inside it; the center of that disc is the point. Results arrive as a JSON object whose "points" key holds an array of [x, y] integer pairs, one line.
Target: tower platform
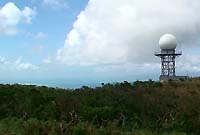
{"points": [[164, 78]]}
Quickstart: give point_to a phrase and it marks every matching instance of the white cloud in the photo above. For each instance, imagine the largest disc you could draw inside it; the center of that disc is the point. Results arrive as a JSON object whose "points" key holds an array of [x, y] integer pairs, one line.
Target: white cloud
{"points": [[189, 62], [55, 3], [2, 60], [26, 66], [37, 48], [27, 14], [11, 16], [48, 60], [17, 65], [41, 35], [8, 31], [120, 32]]}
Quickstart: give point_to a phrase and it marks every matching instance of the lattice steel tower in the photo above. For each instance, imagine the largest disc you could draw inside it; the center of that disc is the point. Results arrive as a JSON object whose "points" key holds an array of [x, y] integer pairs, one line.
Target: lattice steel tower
{"points": [[168, 55]]}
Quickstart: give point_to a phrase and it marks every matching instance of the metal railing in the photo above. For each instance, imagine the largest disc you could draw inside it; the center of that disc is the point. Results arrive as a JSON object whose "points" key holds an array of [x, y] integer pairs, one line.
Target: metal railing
{"points": [[168, 53]]}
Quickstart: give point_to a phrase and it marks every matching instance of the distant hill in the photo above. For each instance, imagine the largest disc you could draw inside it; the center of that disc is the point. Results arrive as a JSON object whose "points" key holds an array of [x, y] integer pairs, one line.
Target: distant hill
{"points": [[139, 108]]}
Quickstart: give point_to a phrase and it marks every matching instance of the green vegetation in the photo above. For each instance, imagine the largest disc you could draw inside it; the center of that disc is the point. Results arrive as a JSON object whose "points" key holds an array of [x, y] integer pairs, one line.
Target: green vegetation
{"points": [[140, 108]]}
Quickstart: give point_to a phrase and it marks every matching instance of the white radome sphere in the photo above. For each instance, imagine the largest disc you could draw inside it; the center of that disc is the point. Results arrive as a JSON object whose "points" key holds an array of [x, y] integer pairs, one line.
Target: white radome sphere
{"points": [[168, 42]]}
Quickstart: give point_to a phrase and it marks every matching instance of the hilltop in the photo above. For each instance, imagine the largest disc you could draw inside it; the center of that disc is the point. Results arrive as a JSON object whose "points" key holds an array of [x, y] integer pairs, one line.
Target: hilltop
{"points": [[139, 108]]}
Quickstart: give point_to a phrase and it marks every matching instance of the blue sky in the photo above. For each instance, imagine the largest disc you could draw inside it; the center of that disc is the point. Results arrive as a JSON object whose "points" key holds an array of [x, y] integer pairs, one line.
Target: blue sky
{"points": [[52, 21], [67, 43]]}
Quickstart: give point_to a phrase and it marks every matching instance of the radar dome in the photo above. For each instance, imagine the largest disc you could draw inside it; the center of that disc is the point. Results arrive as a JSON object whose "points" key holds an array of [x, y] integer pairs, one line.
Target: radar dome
{"points": [[168, 42]]}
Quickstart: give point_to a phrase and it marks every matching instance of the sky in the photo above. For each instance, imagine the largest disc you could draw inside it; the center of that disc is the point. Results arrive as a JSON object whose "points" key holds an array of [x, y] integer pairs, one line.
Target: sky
{"points": [[69, 43]]}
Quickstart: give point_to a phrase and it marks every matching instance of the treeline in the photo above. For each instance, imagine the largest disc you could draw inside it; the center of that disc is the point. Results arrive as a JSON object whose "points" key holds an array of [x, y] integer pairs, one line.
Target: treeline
{"points": [[139, 108]]}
